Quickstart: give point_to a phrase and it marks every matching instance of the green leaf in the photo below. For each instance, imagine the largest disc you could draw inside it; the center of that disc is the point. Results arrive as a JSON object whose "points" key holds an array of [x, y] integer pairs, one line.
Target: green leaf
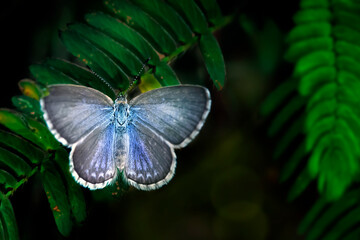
{"points": [[6, 179], [148, 82], [125, 35], [350, 235], [278, 96], [349, 80], [332, 221], [294, 130], [337, 141], [80, 74], [321, 109], [348, 49], [347, 18], [75, 194], [28, 128], [47, 75], [28, 106], [56, 194], [112, 191], [318, 226], [337, 172], [126, 60], [312, 15], [314, 4], [311, 215], [293, 163], [8, 220], [167, 17], [29, 150], [212, 11], [303, 47], [165, 75], [312, 61], [301, 183], [346, 33], [213, 59], [96, 59], [14, 162], [143, 23], [192, 13], [347, 223], [294, 105], [325, 92], [309, 30], [350, 6], [29, 88], [348, 64], [2, 229]]}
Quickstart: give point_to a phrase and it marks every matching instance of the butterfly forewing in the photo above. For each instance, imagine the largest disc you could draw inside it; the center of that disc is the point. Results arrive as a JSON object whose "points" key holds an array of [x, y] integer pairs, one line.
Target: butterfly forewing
{"points": [[73, 111], [176, 113]]}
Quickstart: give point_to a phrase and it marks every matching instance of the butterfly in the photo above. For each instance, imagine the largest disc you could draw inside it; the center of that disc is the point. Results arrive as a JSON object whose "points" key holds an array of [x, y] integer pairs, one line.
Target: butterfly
{"points": [[136, 138]]}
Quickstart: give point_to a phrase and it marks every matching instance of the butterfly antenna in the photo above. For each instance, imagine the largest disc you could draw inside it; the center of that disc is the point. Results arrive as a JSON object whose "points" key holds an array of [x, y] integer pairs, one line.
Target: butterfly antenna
{"points": [[137, 77], [103, 80]]}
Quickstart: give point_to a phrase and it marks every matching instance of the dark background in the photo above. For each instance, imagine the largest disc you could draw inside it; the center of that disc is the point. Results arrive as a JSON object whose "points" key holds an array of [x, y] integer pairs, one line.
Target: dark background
{"points": [[226, 183]]}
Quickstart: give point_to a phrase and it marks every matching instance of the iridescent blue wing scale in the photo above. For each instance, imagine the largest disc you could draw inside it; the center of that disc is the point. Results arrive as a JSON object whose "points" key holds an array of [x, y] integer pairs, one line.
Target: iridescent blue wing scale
{"points": [[151, 160], [91, 159]]}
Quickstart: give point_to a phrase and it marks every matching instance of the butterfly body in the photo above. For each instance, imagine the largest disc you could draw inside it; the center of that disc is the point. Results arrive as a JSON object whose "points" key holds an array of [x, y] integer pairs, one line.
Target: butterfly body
{"points": [[136, 137]]}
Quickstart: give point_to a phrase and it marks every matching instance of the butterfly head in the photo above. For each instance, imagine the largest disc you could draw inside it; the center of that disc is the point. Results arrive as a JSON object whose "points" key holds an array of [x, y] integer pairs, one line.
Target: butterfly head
{"points": [[121, 99]]}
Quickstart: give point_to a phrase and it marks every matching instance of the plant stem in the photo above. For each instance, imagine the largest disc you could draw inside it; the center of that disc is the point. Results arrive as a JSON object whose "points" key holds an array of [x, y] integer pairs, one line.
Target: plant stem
{"points": [[22, 181]]}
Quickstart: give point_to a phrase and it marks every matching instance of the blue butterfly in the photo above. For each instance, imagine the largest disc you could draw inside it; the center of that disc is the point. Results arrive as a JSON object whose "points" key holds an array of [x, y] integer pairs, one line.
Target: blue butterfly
{"points": [[137, 138]]}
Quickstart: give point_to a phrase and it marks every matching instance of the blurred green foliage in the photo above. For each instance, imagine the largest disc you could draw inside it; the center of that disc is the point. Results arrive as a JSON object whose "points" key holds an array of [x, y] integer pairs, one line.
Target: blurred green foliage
{"points": [[326, 81], [318, 113]]}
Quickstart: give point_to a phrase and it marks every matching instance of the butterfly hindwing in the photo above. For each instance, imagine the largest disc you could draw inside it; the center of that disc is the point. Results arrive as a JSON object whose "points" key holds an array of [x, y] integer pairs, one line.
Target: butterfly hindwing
{"points": [[151, 160], [72, 111], [176, 113], [91, 159]]}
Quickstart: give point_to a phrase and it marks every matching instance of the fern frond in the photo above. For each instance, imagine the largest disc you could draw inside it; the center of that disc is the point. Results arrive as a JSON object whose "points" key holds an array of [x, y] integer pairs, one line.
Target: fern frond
{"points": [[338, 220], [324, 47], [115, 43]]}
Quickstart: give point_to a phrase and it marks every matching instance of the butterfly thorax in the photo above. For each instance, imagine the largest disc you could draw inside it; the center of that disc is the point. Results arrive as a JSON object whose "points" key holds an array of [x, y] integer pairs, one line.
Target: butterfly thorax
{"points": [[121, 112]]}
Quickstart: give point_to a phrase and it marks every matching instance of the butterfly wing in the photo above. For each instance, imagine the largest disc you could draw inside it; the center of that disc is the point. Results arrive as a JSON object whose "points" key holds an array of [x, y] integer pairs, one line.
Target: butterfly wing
{"points": [[160, 120], [151, 159], [176, 113], [72, 111], [91, 159]]}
